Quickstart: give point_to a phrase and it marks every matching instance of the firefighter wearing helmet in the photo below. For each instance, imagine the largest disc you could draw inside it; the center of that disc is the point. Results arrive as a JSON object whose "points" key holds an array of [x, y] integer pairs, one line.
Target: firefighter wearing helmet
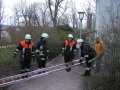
{"points": [[27, 53], [41, 50], [88, 53], [69, 50]]}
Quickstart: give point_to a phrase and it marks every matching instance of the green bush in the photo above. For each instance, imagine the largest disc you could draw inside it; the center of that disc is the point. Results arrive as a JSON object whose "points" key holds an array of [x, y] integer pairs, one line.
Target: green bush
{"points": [[6, 54], [55, 42], [108, 79], [65, 28]]}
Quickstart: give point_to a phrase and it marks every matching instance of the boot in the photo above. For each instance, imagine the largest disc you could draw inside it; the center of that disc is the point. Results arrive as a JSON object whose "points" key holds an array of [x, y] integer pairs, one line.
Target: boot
{"points": [[68, 69], [87, 73]]}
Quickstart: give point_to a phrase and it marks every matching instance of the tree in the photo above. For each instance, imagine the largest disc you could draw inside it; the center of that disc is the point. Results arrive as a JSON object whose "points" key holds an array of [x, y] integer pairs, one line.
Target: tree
{"points": [[26, 15], [56, 11], [1, 17], [109, 31]]}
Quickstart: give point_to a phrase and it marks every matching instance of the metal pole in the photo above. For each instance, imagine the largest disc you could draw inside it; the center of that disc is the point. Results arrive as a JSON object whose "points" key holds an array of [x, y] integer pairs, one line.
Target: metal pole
{"points": [[79, 55], [80, 28]]}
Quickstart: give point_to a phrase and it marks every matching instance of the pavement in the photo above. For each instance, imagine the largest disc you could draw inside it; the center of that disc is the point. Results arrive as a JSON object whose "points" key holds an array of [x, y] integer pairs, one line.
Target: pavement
{"points": [[59, 80]]}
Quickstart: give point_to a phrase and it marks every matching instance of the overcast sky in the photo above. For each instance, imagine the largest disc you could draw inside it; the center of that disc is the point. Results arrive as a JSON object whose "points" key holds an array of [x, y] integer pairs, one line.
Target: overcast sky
{"points": [[8, 4]]}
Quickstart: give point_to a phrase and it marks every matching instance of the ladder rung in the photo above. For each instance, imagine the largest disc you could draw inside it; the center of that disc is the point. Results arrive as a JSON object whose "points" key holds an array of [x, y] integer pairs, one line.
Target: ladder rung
{"points": [[12, 79], [3, 81], [20, 77], [33, 74]]}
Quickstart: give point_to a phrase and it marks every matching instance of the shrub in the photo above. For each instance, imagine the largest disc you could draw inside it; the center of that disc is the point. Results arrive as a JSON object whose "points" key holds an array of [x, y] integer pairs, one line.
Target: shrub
{"points": [[108, 79], [55, 42]]}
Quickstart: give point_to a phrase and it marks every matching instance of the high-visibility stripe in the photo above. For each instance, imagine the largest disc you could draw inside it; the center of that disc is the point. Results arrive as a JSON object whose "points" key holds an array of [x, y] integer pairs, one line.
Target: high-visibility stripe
{"points": [[88, 68], [42, 58], [81, 58], [23, 50], [86, 55], [74, 50], [22, 70], [27, 69], [63, 48], [37, 50], [41, 47], [71, 48], [47, 50], [16, 50]]}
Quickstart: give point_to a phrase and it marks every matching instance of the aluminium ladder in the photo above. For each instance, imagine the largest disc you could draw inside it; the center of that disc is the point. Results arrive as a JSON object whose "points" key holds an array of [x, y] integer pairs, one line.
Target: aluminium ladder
{"points": [[36, 73]]}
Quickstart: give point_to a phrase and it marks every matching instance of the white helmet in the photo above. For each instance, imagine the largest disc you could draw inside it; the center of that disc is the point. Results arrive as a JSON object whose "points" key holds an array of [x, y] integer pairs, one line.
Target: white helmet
{"points": [[80, 40], [27, 36], [70, 35], [47, 35], [44, 35]]}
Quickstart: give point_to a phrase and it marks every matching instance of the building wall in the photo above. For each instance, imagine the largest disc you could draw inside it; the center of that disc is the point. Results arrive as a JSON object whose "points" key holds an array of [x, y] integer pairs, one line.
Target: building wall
{"points": [[105, 10], [5, 35]]}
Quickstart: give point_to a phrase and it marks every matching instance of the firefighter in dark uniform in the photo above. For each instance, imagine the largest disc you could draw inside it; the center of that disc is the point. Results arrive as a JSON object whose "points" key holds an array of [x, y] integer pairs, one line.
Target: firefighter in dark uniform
{"points": [[41, 50], [87, 53], [69, 50], [27, 53]]}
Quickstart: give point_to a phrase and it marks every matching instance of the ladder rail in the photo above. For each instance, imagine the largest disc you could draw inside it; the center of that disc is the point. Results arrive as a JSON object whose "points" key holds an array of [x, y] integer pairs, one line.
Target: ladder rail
{"points": [[34, 74]]}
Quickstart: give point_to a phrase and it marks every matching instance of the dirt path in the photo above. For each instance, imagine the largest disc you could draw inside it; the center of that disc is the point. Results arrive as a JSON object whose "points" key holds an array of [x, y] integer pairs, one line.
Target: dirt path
{"points": [[60, 80]]}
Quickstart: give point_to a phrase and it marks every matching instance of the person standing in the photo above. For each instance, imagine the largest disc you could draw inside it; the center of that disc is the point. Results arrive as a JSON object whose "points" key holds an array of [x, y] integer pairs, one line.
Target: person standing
{"points": [[69, 50], [41, 50], [100, 49], [27, 53], [87, 53]]}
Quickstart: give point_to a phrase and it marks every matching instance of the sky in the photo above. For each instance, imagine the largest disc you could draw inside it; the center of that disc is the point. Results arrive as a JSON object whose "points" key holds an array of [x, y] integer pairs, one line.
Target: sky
{"points": [[8, 4]]}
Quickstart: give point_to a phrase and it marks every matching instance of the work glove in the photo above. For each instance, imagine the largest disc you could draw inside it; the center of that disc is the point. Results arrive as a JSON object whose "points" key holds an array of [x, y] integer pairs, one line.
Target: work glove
{"points": [[73, 56], [33, 58], [41, 54], [81, 59], [14, 56], [47, 58], [62, 53]]}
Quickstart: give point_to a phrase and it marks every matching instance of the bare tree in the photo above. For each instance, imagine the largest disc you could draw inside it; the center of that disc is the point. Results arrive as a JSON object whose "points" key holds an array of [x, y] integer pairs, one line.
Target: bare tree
{"points": [[43, 13], [25, 14], [109, 31], [74, 18], [56, 13], [1, 17]]}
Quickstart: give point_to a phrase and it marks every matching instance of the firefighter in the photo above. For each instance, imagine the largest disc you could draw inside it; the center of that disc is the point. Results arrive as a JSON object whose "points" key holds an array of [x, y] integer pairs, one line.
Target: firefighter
{"points": [[100, 49], [87, 53], [69, 50], [27, 53], [41, 50]]}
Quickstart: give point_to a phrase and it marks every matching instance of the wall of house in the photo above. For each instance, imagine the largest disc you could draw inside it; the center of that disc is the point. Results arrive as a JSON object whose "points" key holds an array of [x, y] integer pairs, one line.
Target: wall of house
{"points": [[105, 9], [5, 35]]}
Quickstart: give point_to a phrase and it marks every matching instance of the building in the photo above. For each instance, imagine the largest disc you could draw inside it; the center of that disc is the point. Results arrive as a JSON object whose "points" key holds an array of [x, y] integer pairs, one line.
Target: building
{"points": [[107, 14], [4, 34]]}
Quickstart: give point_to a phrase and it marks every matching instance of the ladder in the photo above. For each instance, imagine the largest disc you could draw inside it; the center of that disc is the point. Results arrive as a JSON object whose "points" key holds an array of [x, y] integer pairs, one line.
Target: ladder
{"points": [[36, 73]]}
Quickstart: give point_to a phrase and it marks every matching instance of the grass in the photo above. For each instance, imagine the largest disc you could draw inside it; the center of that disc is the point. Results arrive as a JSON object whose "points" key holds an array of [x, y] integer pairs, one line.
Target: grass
{"points": [[6, 54]]}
